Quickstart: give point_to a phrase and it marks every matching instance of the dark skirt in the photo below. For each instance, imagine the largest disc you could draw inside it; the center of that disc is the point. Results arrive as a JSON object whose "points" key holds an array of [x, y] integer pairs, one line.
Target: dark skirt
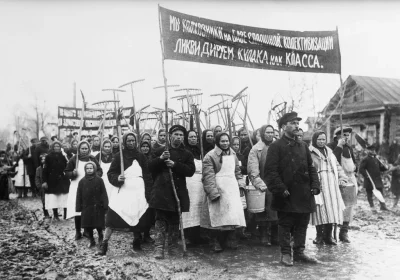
{"points": [[114, 221]]}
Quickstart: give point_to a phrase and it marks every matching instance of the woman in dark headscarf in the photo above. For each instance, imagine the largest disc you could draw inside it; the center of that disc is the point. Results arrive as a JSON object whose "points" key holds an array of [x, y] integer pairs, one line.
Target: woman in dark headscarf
{"points": [[72, 150], [145, 137], [191, 219], [222, 181], [161, 139], [75, 171], [145, 148], [208, 140], [55, 183], [329, 202], [115, 145], [128, 207], [96, 145], [105, 158], [192, 144]]}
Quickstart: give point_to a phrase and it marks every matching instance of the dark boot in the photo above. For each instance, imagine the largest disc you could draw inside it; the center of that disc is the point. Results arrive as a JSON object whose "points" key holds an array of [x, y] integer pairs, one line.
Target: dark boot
{"points": [[103, 248], [92, 243], [19, 192], [77, 220], [55, 214], [173, 237], [159, 244], [383, 206], [137, 238], [274, 233], [343, 233], [25, 192], [265, 235], [100, 234], [319, 240], [65, 213], [232, 240], [300, 233], [46, 213], [215, 244], [328, 235]]}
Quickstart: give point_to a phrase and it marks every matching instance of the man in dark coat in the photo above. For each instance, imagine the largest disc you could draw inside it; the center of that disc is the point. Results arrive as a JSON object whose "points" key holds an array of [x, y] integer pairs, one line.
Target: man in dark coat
{"points": [[345, 156], [293, 181], [30, 166], [181, 163], [374, 168]]}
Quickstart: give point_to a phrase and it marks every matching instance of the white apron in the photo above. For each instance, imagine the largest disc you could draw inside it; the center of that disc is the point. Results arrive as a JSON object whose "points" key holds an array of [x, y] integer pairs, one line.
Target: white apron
{"points": [[73, 188], [129, 201], [228, 210], [109, 187], [196, 196], [19, 177], [94, 153], [348, 168]]}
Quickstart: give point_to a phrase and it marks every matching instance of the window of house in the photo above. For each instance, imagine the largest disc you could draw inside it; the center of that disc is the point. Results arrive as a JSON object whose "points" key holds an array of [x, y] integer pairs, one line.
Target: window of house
{"points": [[358, 95]]}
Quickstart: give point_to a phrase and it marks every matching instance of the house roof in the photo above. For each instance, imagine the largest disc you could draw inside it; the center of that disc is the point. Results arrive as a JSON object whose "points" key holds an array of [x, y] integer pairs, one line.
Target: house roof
{"points": [[381, 92]]}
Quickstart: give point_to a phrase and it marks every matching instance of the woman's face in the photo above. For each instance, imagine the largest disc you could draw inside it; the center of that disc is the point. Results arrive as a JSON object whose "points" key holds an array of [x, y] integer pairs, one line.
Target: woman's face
{"points": [[130, 142], [235, 145], [115, 142], [107, 147], [321, 141], [217, 130], [57, 148], [192, 138], [224, 142], [96, 141], [145, 148], [74, 144], [209, 137], [89, 169], [84, 149], [146, 137]]}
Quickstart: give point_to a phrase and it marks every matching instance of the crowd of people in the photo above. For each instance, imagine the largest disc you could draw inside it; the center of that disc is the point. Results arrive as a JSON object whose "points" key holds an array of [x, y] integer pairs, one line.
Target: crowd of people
{"points": [[136, 184]]}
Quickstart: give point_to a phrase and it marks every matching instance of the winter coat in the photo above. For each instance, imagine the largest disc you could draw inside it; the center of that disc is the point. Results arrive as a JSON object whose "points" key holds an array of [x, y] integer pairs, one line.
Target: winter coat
{"points": [[92, 202], [115, 170], [211, 166], [28, 161], [374, 168], [289, 166], [256, 164], [39, 177], [53, 174], [162, 195], [72, 163], [394, 151]]}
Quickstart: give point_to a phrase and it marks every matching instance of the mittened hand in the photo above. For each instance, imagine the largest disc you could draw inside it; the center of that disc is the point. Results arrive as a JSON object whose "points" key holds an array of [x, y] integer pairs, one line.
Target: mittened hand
{"points": [[242, 191], [45, 186], [286, 193], [263, 188], [75, 173], [216, 198]]}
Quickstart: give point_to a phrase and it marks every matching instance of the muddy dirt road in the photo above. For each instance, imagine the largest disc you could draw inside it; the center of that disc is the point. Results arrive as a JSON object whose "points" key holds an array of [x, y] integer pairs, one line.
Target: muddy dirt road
{"points": [[31, 248]]}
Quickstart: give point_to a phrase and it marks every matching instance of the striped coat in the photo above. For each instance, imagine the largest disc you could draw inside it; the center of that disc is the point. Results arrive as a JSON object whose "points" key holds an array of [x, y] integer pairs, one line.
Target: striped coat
{"points": [[329, 202]]}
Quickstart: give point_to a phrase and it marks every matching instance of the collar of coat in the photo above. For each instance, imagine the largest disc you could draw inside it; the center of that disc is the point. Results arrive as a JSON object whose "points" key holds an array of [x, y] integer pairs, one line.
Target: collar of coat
{"points": [[315, 150], [259, 145], [218, 151], [290, 141]]}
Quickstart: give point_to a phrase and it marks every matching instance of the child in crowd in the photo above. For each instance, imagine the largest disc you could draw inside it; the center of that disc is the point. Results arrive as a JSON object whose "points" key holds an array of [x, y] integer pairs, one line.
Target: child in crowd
{"points": [[92, 201]]}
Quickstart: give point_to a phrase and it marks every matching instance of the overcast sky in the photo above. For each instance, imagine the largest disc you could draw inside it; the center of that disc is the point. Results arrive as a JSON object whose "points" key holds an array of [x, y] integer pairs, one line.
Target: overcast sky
{"points": [[46, 46]]}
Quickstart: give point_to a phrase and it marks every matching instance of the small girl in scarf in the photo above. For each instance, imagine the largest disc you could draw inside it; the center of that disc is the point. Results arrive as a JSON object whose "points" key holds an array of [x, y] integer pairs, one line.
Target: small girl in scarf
{"points": [[92, 201]]}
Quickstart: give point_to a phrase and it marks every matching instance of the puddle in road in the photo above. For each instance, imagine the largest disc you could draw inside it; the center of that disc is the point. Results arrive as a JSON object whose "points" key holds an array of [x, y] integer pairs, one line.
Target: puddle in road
{"points": [[365, 258]]}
